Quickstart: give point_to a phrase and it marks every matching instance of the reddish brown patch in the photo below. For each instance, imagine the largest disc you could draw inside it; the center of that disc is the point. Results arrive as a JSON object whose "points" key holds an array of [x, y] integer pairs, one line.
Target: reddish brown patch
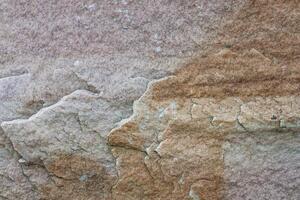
{"points": [[76, 177]]}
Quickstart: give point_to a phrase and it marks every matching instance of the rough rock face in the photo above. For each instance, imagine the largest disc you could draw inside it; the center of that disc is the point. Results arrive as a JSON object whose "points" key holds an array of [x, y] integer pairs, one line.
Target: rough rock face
{"points": [[225, 126], [221, 121]]}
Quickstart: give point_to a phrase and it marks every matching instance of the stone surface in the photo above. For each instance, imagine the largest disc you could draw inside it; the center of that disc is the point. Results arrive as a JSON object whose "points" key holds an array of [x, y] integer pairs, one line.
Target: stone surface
{"points": [[82, 116], [225, 126]]}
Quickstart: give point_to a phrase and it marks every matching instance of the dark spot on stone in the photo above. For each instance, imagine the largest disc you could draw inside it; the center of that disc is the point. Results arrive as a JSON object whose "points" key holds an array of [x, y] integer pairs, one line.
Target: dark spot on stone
{"points": [[273, 117], [228, 46]]}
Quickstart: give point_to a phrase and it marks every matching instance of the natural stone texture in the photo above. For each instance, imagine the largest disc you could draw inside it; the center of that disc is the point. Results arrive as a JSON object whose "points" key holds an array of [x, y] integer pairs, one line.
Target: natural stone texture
{"points": [[210, 148], [220, 122], [225, 126], [69, 140], [136, 28], [52, 49], [14, 183]]}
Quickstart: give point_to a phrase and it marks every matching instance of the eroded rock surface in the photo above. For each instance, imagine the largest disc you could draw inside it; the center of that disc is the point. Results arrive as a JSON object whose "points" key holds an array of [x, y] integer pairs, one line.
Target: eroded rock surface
{"points": [[220, 122], [225, 126]]}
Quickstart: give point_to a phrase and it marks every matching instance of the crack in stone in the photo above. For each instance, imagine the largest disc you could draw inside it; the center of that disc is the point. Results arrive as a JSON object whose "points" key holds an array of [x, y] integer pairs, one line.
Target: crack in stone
{"points": [[25, 72], [88, 86], [127, 147], [48, 107], [147, 169], [33, 187], [3, 197], [7, 177], [238, 121]]}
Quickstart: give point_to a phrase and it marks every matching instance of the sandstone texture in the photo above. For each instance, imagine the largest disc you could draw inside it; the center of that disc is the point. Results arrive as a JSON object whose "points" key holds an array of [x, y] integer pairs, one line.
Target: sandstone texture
{"points": [[166, 100]]}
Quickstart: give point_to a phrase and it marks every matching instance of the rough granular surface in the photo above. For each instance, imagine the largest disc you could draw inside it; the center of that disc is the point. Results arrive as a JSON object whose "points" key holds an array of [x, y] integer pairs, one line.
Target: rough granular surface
{"points": [[150, 100]]}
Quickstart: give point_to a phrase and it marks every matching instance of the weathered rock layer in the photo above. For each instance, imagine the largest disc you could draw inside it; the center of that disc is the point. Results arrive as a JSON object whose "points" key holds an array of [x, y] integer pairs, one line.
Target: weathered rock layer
{"points": [[224, 125]]}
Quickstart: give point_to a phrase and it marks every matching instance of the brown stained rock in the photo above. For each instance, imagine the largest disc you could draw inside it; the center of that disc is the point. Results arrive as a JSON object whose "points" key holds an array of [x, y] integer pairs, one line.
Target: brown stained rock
{"points": [[77, 177], [226, 125], [243, 75], [270, 27], [135, 138]]}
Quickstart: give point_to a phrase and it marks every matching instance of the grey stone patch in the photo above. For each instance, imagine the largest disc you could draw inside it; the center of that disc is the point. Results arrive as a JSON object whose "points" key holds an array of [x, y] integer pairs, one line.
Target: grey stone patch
{"points": [[263, 165]]}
